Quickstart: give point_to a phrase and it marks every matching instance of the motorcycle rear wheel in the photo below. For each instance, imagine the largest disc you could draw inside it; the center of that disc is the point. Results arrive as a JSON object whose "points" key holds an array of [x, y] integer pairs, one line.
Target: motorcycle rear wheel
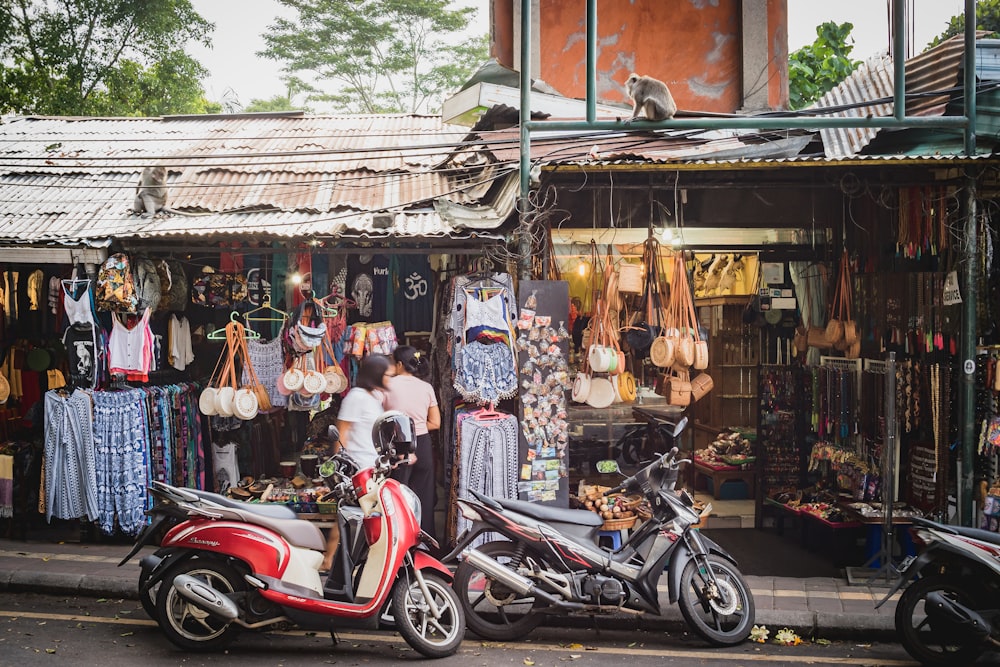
{"points": [[720, 622], [492, 610], [184, 624], [926, 643], [430, 637]]}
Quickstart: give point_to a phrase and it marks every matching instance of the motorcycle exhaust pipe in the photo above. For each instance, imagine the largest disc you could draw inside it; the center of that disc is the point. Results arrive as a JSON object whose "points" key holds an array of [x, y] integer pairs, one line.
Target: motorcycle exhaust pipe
{"points": [[205, 597], [967, 619], [493, 569]]}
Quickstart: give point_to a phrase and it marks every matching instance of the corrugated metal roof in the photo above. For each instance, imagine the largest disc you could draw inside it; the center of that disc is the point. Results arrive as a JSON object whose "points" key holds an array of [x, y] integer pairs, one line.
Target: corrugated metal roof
{"points": [[73, 179], [934, 69], [651, 147]]}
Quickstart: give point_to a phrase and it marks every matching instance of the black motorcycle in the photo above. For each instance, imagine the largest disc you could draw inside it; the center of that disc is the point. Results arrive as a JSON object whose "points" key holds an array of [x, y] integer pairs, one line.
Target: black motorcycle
{"points": [[950, 614], [550, 563]]}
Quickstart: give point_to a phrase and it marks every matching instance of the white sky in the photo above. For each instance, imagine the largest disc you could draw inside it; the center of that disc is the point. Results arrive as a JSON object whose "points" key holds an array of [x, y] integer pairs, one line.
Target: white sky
{"points": [[240, 23]]}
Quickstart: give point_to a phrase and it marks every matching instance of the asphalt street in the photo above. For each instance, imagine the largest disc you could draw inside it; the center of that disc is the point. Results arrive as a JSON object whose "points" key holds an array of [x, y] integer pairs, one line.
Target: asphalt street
{"points": [[97, 632]]}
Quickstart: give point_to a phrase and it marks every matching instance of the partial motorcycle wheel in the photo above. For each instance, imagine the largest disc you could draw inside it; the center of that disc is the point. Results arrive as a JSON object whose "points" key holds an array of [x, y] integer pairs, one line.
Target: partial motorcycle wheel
{"points": [[492, 610], [723, 616], [184, 624], [929, 642], [429, 636]]}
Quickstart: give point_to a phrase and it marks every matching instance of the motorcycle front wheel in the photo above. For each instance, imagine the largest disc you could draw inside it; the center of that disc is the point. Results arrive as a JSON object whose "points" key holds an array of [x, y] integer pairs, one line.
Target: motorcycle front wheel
{"points": [[184, 624], [492, 610], [720, 611], [431, 637], [929, 642]]}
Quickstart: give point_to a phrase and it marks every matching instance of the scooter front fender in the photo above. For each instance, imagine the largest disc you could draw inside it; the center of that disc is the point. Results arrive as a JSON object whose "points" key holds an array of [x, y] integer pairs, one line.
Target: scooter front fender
{"points": [[682, 554], [424, 561]]}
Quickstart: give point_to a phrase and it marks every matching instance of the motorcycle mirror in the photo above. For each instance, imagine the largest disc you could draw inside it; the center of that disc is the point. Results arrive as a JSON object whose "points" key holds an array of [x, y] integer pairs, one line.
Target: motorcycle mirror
{"points": [[679, 426], [332, 433], [608, 466]]}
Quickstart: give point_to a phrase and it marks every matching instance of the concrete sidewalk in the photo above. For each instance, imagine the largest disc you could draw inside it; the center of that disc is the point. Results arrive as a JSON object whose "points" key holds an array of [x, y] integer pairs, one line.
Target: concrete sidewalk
{"points": [[814, 607]]}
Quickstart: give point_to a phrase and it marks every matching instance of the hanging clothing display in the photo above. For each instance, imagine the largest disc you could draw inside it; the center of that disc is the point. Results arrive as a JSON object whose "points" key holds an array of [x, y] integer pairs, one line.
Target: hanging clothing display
{"points": [[485, 370], [487, 455], [180, 352], [130, 350], [268, 363], [70, 459], [121, 441]]}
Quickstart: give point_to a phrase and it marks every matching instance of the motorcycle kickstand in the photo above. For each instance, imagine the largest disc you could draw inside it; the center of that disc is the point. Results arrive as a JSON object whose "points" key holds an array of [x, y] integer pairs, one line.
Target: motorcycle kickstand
{"points": [[333, 636]]}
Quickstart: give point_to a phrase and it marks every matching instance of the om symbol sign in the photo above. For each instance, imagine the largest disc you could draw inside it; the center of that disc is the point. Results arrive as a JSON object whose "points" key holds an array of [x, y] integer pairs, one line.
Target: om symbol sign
{"points": [[416, 287]]}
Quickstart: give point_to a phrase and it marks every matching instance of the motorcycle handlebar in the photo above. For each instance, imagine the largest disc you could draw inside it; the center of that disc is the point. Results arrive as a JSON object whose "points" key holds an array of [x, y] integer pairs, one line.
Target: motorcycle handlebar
{"points": [[668, 457]]}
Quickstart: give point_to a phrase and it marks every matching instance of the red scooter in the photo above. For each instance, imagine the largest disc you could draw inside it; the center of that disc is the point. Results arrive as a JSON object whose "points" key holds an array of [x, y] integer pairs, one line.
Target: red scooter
{"points": [[232, 566]]}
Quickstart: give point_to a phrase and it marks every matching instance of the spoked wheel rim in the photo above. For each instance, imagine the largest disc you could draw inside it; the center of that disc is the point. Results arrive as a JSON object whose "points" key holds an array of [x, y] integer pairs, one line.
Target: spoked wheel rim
{"points": [[185, 622], [716, 601], [493, 610], [431, 636], [927, 640]]}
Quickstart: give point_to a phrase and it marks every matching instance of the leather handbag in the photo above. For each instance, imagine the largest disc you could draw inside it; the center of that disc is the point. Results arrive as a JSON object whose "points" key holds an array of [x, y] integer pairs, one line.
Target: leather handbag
{"points": [[677, 388], [701, 385]]}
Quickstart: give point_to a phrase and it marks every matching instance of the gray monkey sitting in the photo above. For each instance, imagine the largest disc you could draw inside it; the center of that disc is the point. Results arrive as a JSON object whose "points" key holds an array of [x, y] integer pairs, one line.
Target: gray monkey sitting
{"points": [[151, 193], [651, 96]]}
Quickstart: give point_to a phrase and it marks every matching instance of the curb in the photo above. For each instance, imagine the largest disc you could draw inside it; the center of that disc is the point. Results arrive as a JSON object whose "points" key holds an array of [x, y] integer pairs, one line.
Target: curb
{"points": [[828, 625]]}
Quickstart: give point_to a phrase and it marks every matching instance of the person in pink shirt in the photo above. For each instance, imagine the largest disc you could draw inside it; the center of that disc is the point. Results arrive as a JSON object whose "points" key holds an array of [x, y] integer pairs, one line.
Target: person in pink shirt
{"points": [[411, 394]]}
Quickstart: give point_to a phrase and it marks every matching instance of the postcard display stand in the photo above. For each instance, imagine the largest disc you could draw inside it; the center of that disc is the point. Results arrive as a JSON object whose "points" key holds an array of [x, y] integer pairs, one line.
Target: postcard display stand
{"points": [[542, 345]]}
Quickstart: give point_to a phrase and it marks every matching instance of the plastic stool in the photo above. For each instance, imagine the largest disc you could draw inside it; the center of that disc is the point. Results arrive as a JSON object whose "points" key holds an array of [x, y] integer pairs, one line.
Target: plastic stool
{"points": [[617, 537]]}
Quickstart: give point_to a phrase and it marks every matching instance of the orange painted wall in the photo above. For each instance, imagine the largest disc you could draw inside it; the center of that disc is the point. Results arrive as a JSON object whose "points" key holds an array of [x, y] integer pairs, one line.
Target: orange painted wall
{"points": [[692, 45]]}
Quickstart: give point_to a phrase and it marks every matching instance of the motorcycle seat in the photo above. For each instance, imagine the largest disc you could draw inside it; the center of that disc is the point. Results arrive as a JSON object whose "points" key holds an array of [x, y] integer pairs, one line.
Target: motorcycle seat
{"points": [[273, 511], [972, 533], [543, 512], [279, 518]]}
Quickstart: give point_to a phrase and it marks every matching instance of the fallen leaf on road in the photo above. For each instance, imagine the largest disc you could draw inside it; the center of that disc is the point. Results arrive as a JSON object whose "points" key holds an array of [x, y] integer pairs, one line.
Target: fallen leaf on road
{"points": [[574, 645], [529, 662], [126, 634], [823, 642], [50, 650]]}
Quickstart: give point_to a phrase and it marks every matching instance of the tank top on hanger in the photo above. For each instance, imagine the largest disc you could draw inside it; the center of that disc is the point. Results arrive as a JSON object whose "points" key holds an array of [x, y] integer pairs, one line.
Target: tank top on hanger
{"points": [[79, 310], [131, 349]]}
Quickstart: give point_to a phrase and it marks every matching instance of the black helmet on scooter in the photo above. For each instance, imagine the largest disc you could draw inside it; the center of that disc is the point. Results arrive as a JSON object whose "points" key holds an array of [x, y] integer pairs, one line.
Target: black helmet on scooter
{"points": [[394, 434]]}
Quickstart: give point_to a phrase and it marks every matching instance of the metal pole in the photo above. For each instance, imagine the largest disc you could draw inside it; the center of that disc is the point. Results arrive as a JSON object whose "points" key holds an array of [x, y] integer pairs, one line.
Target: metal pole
{"points": [[524, 239], [898, 59], [591, 61], [971, 260]]}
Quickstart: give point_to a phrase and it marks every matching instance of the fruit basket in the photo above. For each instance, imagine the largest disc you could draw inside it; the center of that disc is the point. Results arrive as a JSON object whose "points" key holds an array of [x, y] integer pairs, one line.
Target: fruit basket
{"points": [[619, 524]]}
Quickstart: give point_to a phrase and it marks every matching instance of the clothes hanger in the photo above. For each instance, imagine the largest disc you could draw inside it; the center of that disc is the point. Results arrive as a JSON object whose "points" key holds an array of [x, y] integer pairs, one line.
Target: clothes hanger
{"points": [[487, 413], [268, 314]]}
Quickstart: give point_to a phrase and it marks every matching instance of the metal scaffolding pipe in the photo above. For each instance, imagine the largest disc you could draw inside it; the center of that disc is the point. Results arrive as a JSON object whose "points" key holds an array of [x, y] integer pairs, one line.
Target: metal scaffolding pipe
{"points": [[970, 258]]}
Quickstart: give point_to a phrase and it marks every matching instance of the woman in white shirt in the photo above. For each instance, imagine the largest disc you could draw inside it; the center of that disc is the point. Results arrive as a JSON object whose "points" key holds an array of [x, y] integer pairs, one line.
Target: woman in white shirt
{"points": [[362, 405]]}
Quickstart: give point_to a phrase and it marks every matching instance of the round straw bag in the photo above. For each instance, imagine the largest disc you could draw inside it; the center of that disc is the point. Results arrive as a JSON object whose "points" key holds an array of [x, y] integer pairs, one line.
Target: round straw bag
{"points": [[602, 393], [581, 388], [245, 404], [292, 379], [206, 402], [626, 386], [662, 352], [313, 383], [224, 401]]}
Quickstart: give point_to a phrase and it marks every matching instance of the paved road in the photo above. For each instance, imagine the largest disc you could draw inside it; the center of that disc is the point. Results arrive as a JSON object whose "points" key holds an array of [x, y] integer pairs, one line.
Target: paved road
{"points": [[88, 632]]}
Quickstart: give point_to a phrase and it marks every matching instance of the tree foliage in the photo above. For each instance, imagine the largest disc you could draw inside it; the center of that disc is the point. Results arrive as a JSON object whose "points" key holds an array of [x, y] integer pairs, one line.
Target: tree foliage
{"points": [[815, 69], [380, 55], [987, 18], [101, 57]]}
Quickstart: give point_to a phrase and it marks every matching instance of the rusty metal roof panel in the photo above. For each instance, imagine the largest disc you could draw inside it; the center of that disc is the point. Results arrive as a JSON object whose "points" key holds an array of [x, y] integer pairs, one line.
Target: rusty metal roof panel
{"points": [[935, 69], [75, 178]]}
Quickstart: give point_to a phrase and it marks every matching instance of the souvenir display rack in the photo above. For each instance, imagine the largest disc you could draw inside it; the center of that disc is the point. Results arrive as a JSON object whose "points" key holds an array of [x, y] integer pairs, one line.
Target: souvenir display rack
{"points": [[781, 452]]}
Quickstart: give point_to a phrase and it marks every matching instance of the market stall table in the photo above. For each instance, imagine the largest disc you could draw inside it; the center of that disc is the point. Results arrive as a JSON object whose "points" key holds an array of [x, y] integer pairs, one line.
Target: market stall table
{"points": [[720, 474]]}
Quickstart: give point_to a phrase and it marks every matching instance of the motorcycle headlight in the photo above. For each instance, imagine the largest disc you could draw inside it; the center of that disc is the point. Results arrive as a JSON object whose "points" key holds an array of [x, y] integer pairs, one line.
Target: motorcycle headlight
{"points": [[412, 500]]}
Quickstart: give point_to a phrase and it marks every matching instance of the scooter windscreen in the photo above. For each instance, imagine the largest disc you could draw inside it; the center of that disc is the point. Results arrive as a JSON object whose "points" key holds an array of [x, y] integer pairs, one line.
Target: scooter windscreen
{"points": [[394, 434]]}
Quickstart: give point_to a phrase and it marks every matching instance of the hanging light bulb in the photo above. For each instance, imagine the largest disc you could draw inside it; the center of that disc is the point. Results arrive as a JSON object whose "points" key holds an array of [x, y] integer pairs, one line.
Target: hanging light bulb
{"points": [[581, 269]]}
